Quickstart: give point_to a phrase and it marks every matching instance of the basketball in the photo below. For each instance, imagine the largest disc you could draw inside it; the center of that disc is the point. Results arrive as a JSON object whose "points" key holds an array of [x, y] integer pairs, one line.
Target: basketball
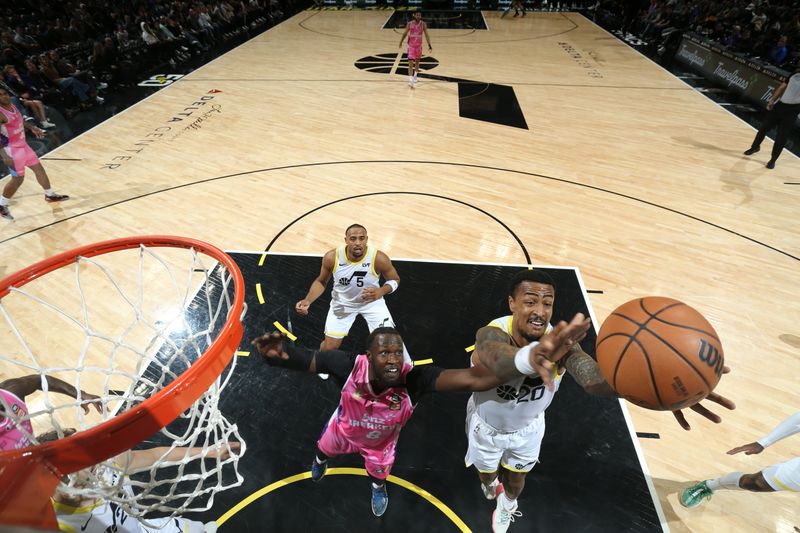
{"points": [[659, 353]]}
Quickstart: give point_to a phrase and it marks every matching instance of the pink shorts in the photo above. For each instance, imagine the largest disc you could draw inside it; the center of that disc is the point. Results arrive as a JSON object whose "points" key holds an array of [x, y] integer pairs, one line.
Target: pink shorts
{"points": [[415, 52], [23, 156], [377, 462]]}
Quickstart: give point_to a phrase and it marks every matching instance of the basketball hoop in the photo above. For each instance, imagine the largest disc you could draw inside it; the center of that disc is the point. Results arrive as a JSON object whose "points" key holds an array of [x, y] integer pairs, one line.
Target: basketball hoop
{"points": [[178, 375]]}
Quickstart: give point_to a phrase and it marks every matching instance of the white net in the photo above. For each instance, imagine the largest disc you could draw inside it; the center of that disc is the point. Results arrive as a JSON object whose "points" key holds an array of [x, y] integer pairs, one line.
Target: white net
{"points": [[103, 334]]}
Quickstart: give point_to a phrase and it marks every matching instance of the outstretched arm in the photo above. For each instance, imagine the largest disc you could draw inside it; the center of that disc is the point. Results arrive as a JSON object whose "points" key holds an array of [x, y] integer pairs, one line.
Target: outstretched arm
{"points": [[27, 385], [587, 373], [318, 285], [507, 362], [140, 460], [277, 352], [787, 428], [474, 379]]}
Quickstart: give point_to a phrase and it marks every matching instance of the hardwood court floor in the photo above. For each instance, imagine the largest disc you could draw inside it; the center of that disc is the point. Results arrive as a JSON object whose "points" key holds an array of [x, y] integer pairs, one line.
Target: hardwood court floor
{"points": [[624, 172]]}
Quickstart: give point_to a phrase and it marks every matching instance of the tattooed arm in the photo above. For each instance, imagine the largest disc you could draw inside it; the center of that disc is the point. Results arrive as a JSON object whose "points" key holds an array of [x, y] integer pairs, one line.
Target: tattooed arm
{"points": [[586, 372], [494, 349]]}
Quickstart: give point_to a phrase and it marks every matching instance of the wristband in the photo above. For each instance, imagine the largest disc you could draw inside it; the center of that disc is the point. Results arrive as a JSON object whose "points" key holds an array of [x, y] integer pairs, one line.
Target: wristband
{"points": [[522, 360], [393, 284]]}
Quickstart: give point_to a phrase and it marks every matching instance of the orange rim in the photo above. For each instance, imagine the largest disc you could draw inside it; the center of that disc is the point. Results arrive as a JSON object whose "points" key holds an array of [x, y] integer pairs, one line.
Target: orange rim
{"points": [[43, 465]]}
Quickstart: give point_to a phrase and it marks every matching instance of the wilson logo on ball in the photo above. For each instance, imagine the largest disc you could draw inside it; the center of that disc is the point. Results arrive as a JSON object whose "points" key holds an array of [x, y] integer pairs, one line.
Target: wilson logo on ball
{"points": [[710, 356]]}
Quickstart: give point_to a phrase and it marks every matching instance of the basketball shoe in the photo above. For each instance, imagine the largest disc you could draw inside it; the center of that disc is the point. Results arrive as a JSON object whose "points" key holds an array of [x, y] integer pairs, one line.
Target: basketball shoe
{"points": [[5, 213], [55, 197], [380, 499], [502, 517], [318, 469], [695, 495]]}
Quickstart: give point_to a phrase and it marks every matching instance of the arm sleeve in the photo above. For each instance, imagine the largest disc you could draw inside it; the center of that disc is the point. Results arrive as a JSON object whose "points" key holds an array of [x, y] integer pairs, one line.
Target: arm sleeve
{"points": [[788, 427], [336, 362], [422, 380]]}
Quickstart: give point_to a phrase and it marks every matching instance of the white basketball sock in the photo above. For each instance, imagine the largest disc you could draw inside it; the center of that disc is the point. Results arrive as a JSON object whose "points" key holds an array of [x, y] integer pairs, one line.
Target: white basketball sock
{"points": [[3, 200], [508, 504], [728, 481]]}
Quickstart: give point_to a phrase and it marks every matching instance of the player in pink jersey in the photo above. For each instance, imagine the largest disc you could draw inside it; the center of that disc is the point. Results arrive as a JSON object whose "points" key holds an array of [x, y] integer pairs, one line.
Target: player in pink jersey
{"points": [[17, 154], [380, 393], [415, 29], [15, 429]]}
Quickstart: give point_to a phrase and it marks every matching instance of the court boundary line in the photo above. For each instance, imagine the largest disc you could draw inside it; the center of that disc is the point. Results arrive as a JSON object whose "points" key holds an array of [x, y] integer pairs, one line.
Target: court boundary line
{"points": [[595, 324], [415, 162], [628, 421], [707, 99]]}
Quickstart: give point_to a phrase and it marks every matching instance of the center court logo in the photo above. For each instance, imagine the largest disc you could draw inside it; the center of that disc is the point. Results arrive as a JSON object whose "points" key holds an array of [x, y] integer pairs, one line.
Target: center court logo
{"points": [[383, 63]]}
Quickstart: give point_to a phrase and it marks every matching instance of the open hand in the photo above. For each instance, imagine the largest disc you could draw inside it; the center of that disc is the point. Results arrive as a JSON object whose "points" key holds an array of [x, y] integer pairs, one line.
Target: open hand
{"points": [[556, 344], [270, 345], [748, 449], [93, 400], [700, 409]]}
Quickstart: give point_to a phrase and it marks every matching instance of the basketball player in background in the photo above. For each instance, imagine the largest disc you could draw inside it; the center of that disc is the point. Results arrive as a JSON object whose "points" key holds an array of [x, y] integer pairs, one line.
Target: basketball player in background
{"points": [[380, 392], [782, 110], [777, 477], [415, 29], [97, 515], [17, 155], [16, 433], [356, 269], [505, 426]]}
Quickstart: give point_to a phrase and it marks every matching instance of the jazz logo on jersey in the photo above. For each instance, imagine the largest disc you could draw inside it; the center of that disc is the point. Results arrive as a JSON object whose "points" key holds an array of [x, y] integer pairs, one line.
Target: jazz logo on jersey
{"points": [[359, 281]]}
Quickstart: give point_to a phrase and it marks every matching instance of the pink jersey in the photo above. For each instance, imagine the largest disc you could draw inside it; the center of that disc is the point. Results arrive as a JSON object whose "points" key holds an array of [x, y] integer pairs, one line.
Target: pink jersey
{"points": [[11, 436], [12, 132], [372, 421], [415, 32]]}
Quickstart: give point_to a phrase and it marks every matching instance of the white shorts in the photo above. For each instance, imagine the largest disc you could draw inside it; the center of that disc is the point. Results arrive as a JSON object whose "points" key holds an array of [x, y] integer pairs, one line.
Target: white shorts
{"points": [[340, 318], [784, 476], [487, 447]]}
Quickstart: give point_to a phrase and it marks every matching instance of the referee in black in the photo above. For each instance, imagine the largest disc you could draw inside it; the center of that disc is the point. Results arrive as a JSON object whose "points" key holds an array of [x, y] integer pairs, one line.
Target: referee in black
{"points": [[783, 109]]}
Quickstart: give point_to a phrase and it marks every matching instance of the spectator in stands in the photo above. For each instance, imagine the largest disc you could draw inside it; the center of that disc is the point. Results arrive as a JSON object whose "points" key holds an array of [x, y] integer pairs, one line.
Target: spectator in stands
{"points": [[121, 34], [25, 41], [104, 61], [66, 84], [777, 55], [148, 35], [28, 95]]}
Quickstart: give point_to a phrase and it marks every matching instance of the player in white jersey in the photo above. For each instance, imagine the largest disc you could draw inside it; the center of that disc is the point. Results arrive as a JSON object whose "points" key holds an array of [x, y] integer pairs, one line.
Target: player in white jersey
{"points": [[505, 426], [778, 477], [356, 269], [76, 514]]}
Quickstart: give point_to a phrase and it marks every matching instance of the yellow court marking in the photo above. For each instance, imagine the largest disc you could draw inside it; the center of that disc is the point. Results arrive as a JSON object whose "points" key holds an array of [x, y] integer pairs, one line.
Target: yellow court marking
{"points": [[353, 472], [285, 331], [469, 348], [261, 261], [258, 293], [423, 362], [241, 353]]}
